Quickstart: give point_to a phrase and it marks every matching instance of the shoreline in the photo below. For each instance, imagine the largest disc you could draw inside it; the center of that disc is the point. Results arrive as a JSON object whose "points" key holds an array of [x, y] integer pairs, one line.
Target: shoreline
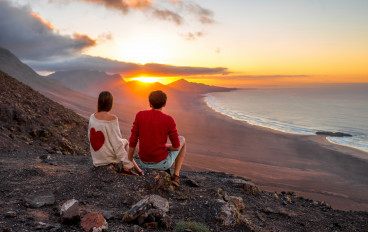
{"points": [[307, 164], [360, 151]]}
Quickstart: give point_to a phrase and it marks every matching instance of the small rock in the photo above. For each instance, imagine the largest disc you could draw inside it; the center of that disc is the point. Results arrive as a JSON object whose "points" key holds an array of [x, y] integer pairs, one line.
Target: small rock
{"points": [[136, 228], [107, 215], [94, 222], [251, 188], [151, 225], [10, 214], [70, 211], [39, 200], [162, 180], [326, 204], [229, 215], [40, 226], [192, 183], [45, 157], [182, 197], [54, 228], [165, 223], [268, 210], [260, 217], [237, 201]]}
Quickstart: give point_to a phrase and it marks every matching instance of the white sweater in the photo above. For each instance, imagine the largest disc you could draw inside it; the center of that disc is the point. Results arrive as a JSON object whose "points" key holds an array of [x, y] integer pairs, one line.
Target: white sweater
{"points": [[106, 144]]}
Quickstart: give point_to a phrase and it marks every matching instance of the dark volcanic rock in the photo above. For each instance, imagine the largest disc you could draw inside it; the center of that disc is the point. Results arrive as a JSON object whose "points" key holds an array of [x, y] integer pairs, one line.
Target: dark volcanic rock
{"points": [[10, 214], [38, 200], [28, 114], [333, 134]]}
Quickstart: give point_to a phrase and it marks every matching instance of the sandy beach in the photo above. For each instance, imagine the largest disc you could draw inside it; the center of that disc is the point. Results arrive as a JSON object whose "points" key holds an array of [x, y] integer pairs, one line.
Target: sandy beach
{"points": [[276, 161]]}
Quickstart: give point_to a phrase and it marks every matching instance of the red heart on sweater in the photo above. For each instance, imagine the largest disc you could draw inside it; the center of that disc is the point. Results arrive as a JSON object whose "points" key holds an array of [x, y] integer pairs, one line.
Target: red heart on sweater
{"points": [[96, 138]]}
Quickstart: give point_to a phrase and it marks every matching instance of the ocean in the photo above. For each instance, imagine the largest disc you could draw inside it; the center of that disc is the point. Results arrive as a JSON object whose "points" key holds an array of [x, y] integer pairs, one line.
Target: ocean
{"points": [[334, 107]]}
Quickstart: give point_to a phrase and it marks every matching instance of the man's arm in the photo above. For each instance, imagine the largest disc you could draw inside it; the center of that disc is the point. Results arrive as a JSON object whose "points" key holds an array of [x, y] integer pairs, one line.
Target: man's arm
{"points": [[173, 136], [131, 153]]}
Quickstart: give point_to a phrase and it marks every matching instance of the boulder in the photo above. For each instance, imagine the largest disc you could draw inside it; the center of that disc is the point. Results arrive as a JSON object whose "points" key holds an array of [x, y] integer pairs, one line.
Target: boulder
{"points": [[94, 222], [70, 211], [152, 208]]}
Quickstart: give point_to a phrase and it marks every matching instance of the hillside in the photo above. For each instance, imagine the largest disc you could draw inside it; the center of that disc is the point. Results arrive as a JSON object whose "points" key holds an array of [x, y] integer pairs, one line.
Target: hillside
{"points": [[28, 117], [196, 88], [77, 101], [38, 176], [87, 81]]}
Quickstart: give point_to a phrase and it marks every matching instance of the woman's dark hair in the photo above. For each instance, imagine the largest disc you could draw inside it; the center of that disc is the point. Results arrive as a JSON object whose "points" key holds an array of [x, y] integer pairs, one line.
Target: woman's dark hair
{"points": [[157, 99], [105, 100]]}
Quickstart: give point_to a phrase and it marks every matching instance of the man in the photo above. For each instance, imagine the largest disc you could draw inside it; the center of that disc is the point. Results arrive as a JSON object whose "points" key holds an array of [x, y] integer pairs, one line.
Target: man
{"points": [[151, 128]]}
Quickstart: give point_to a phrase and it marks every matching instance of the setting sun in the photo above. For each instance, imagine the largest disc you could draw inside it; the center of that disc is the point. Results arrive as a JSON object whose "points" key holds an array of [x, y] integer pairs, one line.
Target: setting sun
{"points": [[145, 79], [162, 80]]}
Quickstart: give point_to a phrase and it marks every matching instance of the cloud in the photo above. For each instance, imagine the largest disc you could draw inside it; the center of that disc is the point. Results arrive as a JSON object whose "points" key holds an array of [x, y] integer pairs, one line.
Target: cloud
{"points": [[131, 69], [153, 9], [168, 16], [205, 16], [122, 5], [30, 37], [192, 36]]}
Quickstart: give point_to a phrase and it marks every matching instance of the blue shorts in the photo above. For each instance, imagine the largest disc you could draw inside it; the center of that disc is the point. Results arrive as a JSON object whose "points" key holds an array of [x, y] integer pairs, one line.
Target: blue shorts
{"points": [[164, 164]]}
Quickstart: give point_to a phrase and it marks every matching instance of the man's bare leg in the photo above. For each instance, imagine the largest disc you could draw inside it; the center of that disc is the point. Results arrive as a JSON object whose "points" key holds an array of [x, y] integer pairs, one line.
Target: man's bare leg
{"points": [[180, 158]]}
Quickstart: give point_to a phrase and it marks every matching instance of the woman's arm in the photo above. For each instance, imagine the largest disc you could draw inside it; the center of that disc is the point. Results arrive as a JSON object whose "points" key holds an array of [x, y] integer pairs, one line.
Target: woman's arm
{"points": [[118, 144]]}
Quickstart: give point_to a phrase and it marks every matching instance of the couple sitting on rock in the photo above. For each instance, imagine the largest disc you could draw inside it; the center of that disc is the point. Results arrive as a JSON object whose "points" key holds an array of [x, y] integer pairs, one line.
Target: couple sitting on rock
{"points": [[150, 128]]}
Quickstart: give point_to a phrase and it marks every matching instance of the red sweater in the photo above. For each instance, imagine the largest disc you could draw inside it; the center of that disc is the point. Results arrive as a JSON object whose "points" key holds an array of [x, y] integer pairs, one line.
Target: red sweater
{"points": [[152, 127]]}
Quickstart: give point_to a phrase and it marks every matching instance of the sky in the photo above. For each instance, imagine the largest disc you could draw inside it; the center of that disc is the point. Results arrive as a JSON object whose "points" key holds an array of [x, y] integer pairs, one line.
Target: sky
{"points": [[229, 43]]}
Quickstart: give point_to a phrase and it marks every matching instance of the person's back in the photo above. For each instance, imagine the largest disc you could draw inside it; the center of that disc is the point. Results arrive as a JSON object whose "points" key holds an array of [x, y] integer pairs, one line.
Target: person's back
{"points": [[152, 128], [106, 144]]}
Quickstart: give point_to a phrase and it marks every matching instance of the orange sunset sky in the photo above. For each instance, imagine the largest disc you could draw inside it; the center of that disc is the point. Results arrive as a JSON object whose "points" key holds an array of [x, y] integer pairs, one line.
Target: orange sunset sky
{"points": [[228, 43]]}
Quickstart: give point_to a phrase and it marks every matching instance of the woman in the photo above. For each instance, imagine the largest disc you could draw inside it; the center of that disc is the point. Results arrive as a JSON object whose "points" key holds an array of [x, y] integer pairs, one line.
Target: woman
{"points": [[106, 144]]}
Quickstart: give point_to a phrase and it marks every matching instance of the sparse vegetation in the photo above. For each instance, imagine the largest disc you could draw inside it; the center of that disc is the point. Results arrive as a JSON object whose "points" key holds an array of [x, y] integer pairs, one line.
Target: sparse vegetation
{"points": [[194, 226]]}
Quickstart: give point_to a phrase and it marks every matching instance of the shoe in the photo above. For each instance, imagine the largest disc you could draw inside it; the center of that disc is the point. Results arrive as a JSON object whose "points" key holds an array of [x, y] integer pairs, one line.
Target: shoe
{"points": [[175, 180]]}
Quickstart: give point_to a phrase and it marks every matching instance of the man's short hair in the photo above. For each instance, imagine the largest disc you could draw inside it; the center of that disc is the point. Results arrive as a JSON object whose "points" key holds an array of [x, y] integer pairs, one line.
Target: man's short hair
{"points": [[105, 100], [157, 99]]}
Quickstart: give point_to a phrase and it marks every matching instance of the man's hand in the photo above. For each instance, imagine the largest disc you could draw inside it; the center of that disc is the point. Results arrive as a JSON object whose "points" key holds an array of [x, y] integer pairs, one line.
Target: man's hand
{"points": [[171, 148]]}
